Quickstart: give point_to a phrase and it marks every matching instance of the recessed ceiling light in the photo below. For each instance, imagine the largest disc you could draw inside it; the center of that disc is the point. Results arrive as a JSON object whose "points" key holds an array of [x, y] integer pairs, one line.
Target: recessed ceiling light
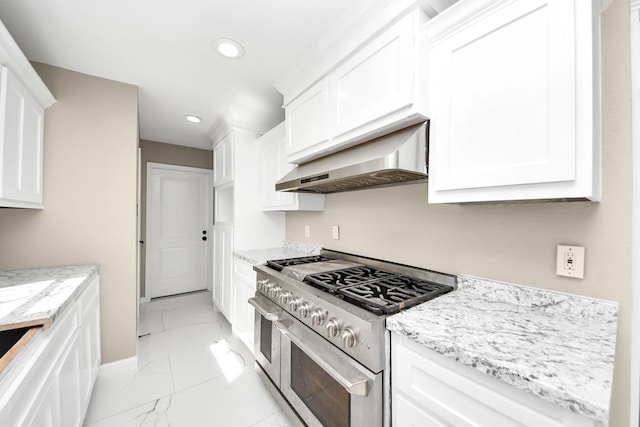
{"points": [[193, 119], [228, 48]]}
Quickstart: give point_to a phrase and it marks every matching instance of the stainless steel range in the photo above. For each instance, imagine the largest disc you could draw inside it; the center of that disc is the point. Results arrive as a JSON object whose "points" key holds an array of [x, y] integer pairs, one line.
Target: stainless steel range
{"points": [[321, 345]]}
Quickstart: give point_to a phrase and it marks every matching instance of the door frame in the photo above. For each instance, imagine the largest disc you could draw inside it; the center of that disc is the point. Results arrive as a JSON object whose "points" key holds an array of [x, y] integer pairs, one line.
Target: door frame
{"points": [[153, 166]]}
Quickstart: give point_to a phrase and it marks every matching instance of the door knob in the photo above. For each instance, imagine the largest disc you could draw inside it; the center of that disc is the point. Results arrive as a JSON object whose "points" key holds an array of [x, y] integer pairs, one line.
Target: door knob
{"points": [[204, 231], [204, 237]]}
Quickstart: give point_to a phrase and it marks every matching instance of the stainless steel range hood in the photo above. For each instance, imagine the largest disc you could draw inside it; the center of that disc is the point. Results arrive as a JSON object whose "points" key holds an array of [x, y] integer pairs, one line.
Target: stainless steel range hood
{"points": [[397, 158]]}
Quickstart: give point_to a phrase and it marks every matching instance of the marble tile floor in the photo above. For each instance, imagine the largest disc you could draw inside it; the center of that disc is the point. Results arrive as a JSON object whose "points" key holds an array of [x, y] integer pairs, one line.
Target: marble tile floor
{"points": [[191, 372]]}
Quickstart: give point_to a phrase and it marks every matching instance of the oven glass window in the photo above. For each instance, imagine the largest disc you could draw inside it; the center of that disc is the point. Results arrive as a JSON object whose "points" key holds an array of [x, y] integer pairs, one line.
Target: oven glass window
{"points": [[265, 338], [326, 398]]}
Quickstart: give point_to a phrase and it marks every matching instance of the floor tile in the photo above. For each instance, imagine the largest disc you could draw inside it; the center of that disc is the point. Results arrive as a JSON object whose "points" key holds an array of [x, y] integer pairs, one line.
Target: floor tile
{"points": [[188, 316], [150, 323], [222, 358], [117, 392], [191, 372], [275, 420], [242, 402]]}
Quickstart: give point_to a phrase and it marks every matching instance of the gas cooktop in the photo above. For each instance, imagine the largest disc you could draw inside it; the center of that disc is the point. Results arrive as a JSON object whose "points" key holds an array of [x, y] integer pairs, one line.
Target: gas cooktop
{"points": [[375, 289]]}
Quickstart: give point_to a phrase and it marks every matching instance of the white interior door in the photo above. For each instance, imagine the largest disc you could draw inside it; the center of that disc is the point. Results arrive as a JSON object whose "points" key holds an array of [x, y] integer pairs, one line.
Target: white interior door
{"points": [[178, 229]]}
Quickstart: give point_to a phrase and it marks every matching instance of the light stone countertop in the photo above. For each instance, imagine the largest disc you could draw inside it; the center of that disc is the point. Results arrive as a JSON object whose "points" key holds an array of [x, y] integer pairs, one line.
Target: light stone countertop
{"points": [[559, 347], [288, 250], [40, 295]]}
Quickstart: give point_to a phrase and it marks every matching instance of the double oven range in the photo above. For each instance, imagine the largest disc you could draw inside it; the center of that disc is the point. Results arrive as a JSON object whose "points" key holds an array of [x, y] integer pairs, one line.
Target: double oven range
{"points": [[321, 346]]}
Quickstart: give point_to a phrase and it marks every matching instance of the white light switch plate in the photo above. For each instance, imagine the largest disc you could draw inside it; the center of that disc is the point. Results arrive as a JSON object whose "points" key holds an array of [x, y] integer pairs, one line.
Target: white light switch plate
{"points": [[335, 232], [570, 261]]}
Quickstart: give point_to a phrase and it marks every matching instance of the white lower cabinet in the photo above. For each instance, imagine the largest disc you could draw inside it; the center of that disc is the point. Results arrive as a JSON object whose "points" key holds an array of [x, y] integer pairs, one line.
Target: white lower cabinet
{"points": [[50, 384], [429, 389], [244, 282]]}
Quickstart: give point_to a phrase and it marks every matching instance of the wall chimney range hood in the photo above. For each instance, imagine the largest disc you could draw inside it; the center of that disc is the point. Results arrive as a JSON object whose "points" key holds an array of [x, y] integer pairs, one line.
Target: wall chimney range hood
{"points": [[397, 158]]}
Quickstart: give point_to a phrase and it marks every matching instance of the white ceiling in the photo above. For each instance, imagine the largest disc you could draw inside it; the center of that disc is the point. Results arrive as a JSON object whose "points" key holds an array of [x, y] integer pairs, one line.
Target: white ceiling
{"points": [[165, 48]]}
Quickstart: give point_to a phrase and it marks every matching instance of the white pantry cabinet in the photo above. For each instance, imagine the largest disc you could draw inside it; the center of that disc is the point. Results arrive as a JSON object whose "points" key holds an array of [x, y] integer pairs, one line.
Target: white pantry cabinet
{"points": [[514, 101], [23, 99], [429, 389], [273, 166], [50, 384], [378, 88], [223, 161], [240, 223]]}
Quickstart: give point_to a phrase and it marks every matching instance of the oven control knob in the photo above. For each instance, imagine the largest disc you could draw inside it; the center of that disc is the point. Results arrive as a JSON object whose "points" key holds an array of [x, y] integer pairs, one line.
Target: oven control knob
{"points": [[275, 291], [333, 327], [317, 317], [294, 304], [261, 283], [265, 286], [285, 297], [349, 338], [304, 309]]}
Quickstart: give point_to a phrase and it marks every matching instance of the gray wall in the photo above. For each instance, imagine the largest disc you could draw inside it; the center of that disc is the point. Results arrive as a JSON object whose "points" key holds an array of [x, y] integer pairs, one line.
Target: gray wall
{"points": [[89, 216], [513, 242], [158, 152]]}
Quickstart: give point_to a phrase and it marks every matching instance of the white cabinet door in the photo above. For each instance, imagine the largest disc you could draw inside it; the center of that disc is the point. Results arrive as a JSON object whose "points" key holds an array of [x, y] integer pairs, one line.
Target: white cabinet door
{"points": [[223, 160], [273, 166], [307, 119], [46, 410], [72, 406], [21, 139], [429, 389], [244, 282], [376, 81], [223, 269], [89, 340], [513, 104]]}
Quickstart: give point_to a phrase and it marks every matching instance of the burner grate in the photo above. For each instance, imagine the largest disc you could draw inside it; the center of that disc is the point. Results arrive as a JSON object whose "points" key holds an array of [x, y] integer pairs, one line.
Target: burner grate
{"points": [[390, 295], [334, 280], [379, 291]]}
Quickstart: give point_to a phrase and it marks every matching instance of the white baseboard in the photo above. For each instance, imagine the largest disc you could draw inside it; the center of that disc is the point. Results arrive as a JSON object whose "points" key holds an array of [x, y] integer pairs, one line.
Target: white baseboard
{"points": [[144, 300], [119, 365]]}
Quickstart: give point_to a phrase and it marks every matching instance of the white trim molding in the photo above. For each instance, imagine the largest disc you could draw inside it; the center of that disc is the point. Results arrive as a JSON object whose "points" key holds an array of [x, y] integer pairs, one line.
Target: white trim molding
{"points": [[12, 56]]}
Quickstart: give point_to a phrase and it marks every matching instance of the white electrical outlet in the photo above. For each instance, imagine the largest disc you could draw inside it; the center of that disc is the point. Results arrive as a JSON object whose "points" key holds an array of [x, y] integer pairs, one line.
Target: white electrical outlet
{"points": [[307, 231], [570, 261], [335, 232]]}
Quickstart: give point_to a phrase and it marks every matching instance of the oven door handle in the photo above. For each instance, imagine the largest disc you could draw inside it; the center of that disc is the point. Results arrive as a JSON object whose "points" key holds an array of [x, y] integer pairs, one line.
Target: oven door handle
{"points": [[357, 385], [267, 309]]}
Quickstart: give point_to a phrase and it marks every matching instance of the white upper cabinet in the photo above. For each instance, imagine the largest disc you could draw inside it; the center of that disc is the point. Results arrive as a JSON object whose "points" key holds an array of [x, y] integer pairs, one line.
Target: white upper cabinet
{"points": [[273, 166], [307, 119], [377, 80], [23, 98], [376, 89], [223, 161], [514, 101]]}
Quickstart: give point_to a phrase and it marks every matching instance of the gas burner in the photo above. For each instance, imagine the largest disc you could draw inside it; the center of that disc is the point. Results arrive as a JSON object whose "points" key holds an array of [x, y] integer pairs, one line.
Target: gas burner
{"points": [[378, 291], [334, 280], [390, 295], [279, 264]]}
